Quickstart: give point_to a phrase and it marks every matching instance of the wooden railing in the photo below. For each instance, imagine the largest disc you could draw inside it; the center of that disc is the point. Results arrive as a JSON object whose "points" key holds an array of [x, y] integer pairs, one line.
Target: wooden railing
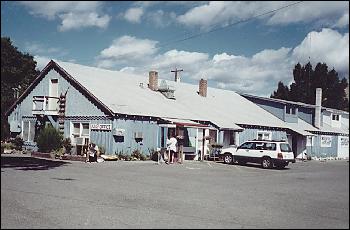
{"points": [[45, 105]]}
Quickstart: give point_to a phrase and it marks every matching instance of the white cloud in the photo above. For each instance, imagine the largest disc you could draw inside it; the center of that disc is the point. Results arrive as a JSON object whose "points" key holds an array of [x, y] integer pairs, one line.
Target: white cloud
{"points": [[74, 15], [127, 49], [81, 20], [257, 74], [343, 21], [218, 13], [35, 48], [328, 46], [134, 14], [41, 61], [161, 19]]}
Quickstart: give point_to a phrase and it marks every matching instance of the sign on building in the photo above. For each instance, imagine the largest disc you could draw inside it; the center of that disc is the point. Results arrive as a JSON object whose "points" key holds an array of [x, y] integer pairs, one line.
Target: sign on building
{"points": [[326, 141], [107, 127], [344, 141]]}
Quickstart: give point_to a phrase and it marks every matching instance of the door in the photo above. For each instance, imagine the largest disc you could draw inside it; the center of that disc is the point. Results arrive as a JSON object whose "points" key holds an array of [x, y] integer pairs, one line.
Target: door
{"points": [[295, 145], [53, 92]]}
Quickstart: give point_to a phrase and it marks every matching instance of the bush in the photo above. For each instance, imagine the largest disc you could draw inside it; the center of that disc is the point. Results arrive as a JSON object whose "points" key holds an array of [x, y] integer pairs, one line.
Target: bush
{"points": [[67, 145], [137, 155], [102, 150], [49, 139], [17, 142], [8, 145]]}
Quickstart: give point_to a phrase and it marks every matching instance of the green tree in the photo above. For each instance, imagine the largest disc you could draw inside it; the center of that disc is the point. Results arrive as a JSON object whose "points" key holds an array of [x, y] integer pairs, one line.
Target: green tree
{"points": [[306, 80], [282, 92], [49, 139], [17, 71]]}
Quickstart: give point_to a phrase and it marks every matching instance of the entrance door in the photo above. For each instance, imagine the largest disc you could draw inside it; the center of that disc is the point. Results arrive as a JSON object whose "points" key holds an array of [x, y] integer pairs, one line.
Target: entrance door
{"points": [[53, 92], [295, 145]]}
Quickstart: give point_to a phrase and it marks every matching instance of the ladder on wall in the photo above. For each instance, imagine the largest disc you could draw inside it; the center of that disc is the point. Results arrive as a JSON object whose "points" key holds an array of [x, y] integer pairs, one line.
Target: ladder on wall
{"points": [[61, 113]]}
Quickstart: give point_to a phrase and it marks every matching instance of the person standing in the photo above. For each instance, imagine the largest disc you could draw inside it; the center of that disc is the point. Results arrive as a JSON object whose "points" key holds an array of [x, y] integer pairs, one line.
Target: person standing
{"points": [[171, 143]]}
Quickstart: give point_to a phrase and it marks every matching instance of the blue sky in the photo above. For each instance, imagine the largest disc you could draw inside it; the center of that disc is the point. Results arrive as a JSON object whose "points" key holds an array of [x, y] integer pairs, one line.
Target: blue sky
{"points": [[137, 37]]}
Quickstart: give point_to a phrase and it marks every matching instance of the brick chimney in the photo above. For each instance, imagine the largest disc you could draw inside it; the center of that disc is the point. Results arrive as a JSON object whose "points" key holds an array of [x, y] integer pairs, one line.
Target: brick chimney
{"points": [[203, 85], [153, 80], [318, 107]]}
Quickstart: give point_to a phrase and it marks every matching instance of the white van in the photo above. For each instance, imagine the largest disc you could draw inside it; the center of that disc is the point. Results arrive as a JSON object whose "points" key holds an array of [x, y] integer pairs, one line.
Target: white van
{"points": [[264, 152]]}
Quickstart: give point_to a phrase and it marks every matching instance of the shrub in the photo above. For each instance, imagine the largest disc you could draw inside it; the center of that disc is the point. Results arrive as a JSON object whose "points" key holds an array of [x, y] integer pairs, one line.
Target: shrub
{"points": [[136, 154], [67, 145], [18, 143], [49, 139], [102, 150], [8, 145]]}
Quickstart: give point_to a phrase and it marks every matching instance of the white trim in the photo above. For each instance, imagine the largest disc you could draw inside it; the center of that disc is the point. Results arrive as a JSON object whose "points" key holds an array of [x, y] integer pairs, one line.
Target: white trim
{"points": [[263, 134]]}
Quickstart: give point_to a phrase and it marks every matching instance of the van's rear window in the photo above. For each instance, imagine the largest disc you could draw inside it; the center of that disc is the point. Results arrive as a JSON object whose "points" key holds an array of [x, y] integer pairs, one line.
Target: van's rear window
{"points": [[285, 148]]}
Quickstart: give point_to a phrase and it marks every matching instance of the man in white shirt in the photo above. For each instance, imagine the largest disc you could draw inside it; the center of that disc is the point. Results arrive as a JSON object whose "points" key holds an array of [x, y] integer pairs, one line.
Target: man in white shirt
{"points": [[171, 147]]}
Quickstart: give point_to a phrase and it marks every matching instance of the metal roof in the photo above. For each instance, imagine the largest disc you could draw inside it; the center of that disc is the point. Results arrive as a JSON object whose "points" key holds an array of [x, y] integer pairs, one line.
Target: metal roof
{"points": [[128, 94]]}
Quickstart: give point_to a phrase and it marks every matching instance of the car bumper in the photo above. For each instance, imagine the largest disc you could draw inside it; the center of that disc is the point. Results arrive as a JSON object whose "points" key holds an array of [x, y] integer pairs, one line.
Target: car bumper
{"points": [[283, 161]]}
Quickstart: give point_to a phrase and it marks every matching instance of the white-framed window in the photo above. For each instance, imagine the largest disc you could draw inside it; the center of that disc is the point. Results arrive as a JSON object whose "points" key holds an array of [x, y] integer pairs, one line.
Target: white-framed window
{"points": [[264, 135], [79, 129], [291, 110], [335, 117], [28, 130], [310, 140]]}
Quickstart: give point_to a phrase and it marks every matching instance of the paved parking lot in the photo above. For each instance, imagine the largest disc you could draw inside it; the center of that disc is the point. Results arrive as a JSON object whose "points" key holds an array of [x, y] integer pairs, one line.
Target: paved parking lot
{"points": [[40, 193]]}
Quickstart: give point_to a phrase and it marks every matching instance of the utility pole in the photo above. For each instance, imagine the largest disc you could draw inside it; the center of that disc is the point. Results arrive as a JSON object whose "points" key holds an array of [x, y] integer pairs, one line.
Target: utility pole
{"points": [[177, 78]]}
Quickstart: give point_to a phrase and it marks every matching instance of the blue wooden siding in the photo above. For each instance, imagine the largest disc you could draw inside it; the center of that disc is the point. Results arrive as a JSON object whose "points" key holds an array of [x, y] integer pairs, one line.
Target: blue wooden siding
{"points": [[306, 114], [251, 134], [317, 150], [76, 104], [149, 130]]}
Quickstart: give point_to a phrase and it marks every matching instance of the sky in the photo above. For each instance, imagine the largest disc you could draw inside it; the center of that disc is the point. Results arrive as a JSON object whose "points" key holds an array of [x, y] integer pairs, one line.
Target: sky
{"points": [[244, 46]]}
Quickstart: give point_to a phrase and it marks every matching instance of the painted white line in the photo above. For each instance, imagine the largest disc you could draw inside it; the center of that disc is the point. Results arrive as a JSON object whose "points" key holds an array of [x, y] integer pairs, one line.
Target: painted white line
{"points": [[210, 165]]}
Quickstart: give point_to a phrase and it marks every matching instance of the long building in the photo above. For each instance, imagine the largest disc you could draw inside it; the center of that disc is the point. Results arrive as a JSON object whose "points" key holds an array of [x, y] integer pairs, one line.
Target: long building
{"points": [[123, 112], [324, 132]]}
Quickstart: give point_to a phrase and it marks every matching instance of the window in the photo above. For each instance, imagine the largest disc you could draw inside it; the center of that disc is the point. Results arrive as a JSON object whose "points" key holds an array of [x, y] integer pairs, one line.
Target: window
{"points": [[291, 110], [213, 135], [247, 145], [269, 146], [264, 135], [80, 130], [285, 148], [28, 131], [85, 130], [335, 117]]}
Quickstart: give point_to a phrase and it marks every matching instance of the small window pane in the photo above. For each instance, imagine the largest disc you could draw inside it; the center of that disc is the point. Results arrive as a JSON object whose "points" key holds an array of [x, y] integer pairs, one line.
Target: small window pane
{"points": [[31, 131], [25, 130], [85, 129], [76, 129]]}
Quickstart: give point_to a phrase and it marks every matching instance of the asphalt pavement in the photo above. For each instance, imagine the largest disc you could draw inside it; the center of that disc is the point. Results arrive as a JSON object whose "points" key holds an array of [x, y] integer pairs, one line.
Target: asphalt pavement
{"points": [[43, 193]]}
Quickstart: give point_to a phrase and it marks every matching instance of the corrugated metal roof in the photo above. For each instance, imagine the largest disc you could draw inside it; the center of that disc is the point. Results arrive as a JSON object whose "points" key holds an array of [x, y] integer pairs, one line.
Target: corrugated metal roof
{"points": [[128, 94], [301, 127], [329, 129]]}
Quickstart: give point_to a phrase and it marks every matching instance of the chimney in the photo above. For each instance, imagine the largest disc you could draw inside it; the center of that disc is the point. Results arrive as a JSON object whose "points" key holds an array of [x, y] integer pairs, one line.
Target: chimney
{"points": [[318, 107], [153, 80], [203, 85]]}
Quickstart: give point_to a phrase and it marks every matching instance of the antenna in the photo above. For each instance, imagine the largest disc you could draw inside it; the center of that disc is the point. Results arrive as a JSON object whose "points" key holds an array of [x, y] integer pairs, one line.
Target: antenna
{"points": [[177, 78]]}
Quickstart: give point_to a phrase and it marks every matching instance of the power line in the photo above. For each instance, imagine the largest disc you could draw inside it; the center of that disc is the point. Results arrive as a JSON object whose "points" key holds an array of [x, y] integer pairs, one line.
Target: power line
{"points": [[219, 28], [232, 24]]}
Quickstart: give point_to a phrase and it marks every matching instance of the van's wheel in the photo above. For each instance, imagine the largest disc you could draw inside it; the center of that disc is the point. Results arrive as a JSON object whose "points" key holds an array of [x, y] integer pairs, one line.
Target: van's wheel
{"points": [[228, 158], [266, 163]]}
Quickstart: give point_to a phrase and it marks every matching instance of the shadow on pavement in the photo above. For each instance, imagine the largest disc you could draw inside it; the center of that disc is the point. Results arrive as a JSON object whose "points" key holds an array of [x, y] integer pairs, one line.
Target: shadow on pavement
{"points": [[257, 166], [29, 163]]}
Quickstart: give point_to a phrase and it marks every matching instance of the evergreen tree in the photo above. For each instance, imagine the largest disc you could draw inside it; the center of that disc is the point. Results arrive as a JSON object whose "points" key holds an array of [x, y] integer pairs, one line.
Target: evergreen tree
{"points": [[17, 71], [282, 92], [306, 80]]}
